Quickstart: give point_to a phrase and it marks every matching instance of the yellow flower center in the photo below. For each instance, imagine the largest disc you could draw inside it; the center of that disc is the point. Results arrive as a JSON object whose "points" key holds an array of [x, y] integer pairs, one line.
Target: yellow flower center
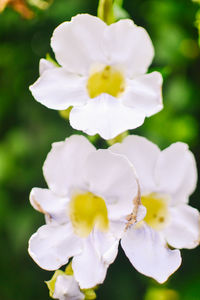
{"points": [[157, 210], [107, 80], [86, 211]]}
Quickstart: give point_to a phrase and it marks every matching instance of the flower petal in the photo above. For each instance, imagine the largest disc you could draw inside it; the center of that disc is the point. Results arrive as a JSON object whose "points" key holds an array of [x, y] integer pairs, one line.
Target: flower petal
{"points": [[113, 178], [148, 254], [45, 65], [106, 244], [58, 89], [117, 227], [143, 154], [52, 246], [66, 288], [91, 265], [144, 93], [106, 116], [64, 166], [129, 46], [46, 202], [77, 44], [176, 172], [184, 228]]}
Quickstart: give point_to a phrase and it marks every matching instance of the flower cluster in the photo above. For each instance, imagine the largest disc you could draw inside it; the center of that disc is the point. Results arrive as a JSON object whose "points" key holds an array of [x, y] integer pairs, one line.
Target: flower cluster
{"points": [[131, 193]]}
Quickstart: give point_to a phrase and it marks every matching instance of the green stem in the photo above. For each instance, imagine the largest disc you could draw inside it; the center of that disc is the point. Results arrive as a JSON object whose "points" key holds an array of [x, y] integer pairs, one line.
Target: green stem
{"points": [[105, 11]]}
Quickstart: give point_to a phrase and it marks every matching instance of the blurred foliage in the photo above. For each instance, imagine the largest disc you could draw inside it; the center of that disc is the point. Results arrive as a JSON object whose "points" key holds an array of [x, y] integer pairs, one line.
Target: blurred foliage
{"points": [[23, 7], [197, 23], [27, 130], [161, 294]]}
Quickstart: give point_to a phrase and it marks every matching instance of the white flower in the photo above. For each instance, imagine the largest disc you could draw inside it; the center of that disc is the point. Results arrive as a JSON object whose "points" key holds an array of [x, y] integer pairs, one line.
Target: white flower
{"points": [[90, 194], [64, 287], [102, 75], [167, 179]]}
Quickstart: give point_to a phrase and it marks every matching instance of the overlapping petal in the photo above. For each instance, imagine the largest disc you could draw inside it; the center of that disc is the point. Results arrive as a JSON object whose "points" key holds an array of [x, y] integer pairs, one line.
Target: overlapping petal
{"points": [[143, 154], [64, 166], [46, 202], [78, 43], [112, 177], [58, 89], [148, 253], [184, 229], [176, 172], [106, 244], [144, 94], [52, 245], [89, 269], [45, 65], [128, 45], [106, 116], [100, 250]]}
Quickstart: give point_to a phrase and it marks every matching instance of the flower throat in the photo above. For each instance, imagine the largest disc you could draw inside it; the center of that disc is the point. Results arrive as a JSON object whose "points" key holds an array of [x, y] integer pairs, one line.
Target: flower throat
{"points": [[108, 80], [86, 211]]}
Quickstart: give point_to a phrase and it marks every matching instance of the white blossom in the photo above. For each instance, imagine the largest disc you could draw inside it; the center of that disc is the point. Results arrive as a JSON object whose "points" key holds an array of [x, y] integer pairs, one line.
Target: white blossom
{"points": [[101, 74], [90, 193], [167, 178], [63, 286]]}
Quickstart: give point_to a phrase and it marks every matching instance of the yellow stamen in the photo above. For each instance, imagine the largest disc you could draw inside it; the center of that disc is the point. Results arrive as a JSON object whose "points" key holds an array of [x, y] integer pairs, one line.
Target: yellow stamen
{"points": [[157, 210], [108, 80], [86, 211]]}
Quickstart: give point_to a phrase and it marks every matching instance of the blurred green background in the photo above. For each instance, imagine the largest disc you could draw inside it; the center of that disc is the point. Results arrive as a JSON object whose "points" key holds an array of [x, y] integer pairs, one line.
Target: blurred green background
{"points": [[27, 130]]}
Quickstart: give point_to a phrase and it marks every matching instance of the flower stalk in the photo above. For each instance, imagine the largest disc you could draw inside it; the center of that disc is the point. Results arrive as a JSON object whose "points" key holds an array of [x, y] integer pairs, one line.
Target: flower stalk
{"points": [[105, 11]]}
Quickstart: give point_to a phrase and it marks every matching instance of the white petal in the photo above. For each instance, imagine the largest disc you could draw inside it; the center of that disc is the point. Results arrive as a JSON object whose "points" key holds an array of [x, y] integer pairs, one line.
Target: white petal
{"points": [[141, 213], [148, 254], [143, 154], [184, 228], [111, 176], [88, 268], [106, 246], [144, 93], [77, 44], [176, 172], [91, 265], [45, 65], [66, 288], [58, 89], [106, 116], [117, 227], [64, 166], [130, 46], [52, 246], [46, 202]]}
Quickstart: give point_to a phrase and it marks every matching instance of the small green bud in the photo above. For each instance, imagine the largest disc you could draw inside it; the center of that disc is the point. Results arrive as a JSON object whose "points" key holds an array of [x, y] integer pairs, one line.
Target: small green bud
{"points": [[51, 283]]}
